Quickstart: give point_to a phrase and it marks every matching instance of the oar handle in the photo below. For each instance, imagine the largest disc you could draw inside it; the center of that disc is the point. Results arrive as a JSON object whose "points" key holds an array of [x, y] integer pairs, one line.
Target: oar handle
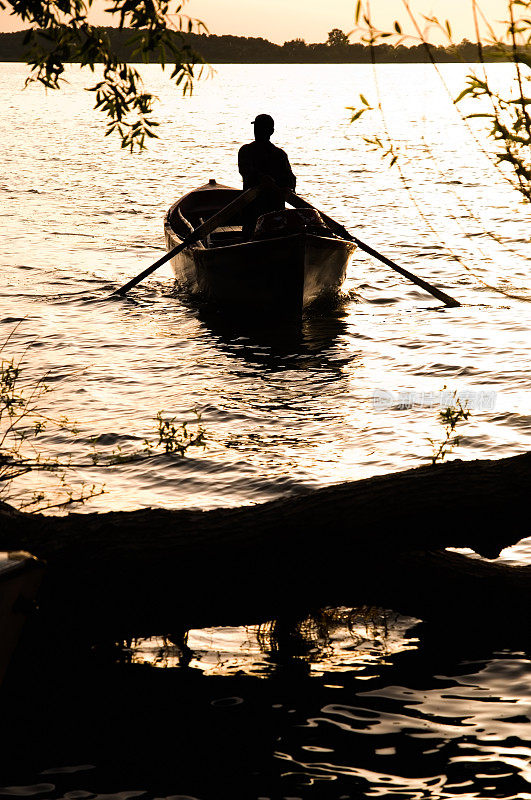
{"points": [[299, 202], [199, 233]]}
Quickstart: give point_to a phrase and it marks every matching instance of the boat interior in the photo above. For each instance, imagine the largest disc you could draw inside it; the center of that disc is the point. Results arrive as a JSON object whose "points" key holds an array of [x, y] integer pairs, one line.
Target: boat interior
{"points": [[196, 207]]}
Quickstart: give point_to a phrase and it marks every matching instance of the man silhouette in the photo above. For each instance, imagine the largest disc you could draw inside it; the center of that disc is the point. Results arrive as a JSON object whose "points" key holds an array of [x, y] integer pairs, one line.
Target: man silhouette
{"points": [[260, 158]]}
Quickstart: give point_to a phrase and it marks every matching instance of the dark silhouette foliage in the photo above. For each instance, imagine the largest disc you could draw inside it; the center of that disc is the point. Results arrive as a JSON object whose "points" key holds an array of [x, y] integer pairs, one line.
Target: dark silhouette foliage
{"points": [[228, 49]]}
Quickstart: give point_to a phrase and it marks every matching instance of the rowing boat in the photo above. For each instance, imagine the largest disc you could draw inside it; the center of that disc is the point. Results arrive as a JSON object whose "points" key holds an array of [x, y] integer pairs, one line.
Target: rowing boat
{"points": [[292, 261]]}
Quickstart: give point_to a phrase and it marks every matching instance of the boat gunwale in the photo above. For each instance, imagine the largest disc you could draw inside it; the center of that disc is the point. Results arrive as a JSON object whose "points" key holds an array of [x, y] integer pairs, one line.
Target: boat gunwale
{"points": [[273, 240], [170, 230]]}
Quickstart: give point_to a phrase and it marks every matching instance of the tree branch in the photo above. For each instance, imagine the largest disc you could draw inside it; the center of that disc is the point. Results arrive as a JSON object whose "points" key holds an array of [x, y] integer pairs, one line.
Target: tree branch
{"points": [[151, 570]]}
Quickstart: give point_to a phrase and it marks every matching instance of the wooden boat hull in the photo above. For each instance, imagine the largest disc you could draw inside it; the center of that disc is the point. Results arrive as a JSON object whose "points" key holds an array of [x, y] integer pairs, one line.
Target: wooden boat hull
{"points": [[287, 273], [280, 275]]}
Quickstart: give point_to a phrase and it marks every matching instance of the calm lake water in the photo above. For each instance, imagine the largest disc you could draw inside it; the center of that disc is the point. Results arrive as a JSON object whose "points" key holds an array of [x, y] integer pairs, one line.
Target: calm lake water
{"points": [[355, 392]]}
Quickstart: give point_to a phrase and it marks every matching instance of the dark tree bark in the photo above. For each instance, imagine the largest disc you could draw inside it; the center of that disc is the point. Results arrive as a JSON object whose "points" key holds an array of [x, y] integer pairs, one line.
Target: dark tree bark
{"points": [[379, 541]]}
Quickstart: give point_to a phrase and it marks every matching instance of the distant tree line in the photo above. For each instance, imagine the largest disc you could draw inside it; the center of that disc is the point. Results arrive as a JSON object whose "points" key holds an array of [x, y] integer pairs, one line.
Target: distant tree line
{"points": [[255, 50]]}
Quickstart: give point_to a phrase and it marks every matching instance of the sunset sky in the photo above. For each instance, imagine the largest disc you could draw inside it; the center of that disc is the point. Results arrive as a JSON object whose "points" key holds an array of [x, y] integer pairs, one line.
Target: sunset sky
{"points": [[281, 20]]}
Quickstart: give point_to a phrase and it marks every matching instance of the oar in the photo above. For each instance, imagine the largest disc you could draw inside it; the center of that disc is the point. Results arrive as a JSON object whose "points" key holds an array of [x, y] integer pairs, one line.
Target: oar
{"points": [[299, 202], [199, 233]]}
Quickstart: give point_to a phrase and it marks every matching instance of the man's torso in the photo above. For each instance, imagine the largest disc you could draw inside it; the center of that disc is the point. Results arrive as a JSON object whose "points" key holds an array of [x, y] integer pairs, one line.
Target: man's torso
{"points": [[266, 158]]}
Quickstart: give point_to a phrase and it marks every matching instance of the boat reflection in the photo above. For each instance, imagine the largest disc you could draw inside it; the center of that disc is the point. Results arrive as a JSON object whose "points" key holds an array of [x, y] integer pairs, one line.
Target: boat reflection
{"points": [[313, 341]]}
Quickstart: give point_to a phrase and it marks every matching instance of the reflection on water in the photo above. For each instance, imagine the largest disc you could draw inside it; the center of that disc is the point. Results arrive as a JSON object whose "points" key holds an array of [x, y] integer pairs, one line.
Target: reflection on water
{"points": [[461, 735], [347, 703], [331, 640], [302, 344]]}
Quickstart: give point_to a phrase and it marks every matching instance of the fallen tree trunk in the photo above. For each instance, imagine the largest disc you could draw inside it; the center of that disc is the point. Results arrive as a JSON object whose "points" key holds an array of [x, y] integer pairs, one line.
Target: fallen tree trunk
{"points": [[148, 571]]}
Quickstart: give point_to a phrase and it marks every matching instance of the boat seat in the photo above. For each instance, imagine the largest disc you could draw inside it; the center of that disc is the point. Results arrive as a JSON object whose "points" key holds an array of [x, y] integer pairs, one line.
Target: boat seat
{"points": [[227, 234]]}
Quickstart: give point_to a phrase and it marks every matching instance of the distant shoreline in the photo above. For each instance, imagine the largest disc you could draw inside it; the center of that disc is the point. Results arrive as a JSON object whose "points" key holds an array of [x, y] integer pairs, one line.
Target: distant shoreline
{"points": [[253, 50]]}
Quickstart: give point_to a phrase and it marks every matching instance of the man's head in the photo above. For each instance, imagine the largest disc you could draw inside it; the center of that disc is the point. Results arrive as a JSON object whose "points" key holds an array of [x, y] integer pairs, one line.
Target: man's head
{"points": [[264, 127]]}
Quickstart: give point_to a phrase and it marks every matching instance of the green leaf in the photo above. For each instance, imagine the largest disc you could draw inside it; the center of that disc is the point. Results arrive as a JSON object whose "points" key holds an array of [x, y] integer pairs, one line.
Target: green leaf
{"points": [[462, 94]]}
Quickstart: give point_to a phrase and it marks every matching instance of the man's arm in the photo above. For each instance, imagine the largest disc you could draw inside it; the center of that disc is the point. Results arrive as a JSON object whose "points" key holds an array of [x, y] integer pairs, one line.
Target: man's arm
{"points": [[290, 179]]}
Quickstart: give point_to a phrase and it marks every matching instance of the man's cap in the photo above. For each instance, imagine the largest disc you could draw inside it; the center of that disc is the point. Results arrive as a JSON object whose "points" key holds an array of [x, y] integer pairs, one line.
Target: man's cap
{"points": [[263, 119]]}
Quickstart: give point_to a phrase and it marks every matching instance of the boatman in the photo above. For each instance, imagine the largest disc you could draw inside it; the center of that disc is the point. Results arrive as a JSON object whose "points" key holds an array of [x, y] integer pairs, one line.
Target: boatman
{"points": [[259, 158]]}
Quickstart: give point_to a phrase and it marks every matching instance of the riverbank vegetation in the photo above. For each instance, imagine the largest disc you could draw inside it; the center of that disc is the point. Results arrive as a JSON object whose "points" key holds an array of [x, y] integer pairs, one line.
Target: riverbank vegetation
{"points": [[229, 49]]}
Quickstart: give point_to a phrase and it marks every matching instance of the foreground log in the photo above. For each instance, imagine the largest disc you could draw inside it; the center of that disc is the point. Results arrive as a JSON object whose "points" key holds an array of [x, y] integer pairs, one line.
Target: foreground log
{"points": [[151, 571]]}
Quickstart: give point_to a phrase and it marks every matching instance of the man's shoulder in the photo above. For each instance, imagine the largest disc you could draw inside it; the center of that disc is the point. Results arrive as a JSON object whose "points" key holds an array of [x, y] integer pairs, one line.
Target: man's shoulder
{"points": [[263, 148], [246, 150], [279, 152]]}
